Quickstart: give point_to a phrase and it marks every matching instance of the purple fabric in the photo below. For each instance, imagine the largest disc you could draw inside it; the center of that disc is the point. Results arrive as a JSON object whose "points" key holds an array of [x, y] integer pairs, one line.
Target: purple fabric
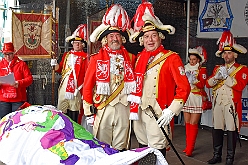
{"points": [[139, 149], [71, 160], [108, 150], [68, 130]]}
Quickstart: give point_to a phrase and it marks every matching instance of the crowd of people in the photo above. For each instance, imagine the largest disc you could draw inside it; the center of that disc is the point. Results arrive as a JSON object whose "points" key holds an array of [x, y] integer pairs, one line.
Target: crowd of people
{"points": [[117, 91]]}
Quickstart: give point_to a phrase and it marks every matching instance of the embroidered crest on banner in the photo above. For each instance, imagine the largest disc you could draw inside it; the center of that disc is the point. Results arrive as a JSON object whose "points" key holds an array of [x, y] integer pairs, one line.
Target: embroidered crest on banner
{"points": [[181, 70], [216, 16], [102, 70], [32, 34]]}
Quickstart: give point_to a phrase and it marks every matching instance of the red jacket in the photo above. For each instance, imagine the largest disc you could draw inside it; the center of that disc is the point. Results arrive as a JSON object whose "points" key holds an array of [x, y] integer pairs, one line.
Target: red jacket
{"points": [[200, 84], [240, 78], [172, 84], [22, 74], [79, 73], [90, 77]]}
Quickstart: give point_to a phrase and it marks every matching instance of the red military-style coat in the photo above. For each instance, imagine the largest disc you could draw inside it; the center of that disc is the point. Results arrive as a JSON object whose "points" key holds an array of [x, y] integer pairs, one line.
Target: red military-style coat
{"points": [[172, 83], [173, 87], [80, 72], [90, 80], [201, 81], [236, 81]]}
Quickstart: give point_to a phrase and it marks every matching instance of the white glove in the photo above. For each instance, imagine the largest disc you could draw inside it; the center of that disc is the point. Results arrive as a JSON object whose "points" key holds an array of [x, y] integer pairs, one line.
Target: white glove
{"points": [[76, 92], [90, 120], [223, 72], [166, 117], [218, 75], [190, 77], [54, 62]]}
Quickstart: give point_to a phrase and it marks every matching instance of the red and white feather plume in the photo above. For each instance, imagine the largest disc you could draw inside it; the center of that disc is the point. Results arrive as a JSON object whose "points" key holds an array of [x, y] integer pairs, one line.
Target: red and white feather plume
{"points": [[117, 17], [80, 32]]}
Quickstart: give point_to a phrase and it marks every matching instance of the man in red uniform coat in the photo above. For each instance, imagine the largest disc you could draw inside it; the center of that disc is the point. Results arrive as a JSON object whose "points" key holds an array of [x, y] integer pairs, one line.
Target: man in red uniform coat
{"points": [[228, 81], [72, 69], [161, 80], [108, 81]]}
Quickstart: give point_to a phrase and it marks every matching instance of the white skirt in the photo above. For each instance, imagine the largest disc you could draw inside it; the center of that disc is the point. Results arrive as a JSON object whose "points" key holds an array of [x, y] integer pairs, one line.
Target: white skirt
{"points": [[193, 104]]}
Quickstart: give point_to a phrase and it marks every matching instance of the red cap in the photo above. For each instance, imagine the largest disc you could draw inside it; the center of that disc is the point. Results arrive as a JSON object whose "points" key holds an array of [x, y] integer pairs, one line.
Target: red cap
{"points": [[8, 48]]}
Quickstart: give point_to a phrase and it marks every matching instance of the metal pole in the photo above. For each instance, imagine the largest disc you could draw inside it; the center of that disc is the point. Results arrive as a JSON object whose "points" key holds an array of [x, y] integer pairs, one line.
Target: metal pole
{"points": [[67, 24], [187, 37], [234, 115]]}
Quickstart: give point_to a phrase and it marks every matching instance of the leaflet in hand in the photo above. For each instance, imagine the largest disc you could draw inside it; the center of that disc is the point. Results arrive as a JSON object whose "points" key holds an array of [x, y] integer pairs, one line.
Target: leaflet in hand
{"points": [[9, 79]]}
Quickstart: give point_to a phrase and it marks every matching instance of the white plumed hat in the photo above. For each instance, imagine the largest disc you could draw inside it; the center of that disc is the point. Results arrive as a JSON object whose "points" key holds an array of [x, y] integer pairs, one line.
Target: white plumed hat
{"points": [[80, 34], [145, 20], [227, 43], [114, 20]]}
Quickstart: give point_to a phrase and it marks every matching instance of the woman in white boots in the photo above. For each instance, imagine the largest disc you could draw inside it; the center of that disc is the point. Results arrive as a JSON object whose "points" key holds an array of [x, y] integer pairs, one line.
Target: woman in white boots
{"points": [[192, 109]]}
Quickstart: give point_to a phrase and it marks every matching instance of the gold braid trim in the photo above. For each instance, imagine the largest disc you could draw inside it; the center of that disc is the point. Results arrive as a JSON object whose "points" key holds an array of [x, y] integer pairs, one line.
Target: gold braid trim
{"points": [[159, 60], [64, 71], [112, 96], [221, 82]]}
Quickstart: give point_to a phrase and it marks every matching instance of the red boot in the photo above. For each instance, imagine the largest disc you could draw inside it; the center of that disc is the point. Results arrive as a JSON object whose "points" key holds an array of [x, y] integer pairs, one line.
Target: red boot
{"points": [[186, 135], [191, 139]]}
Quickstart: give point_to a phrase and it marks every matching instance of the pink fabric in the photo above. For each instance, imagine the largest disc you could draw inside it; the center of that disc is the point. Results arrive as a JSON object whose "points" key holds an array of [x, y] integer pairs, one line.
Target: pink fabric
{"points": [[51, 138]]}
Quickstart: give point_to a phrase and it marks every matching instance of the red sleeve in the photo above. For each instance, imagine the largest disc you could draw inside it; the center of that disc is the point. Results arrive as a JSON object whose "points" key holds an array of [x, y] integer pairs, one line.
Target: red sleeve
{"points": [[182, 83], [89, 81], [61, 63], [27, 78], [201, 77], [241, 78]]}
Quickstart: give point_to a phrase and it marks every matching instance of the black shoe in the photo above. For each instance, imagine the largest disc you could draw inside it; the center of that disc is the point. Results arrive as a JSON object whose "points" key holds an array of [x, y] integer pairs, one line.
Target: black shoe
{"points": [[214, 160], [229, 161]]}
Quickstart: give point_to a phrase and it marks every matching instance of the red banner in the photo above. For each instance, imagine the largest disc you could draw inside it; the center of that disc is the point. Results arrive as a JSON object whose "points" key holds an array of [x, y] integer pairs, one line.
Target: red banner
{"points": [[32, 35]]}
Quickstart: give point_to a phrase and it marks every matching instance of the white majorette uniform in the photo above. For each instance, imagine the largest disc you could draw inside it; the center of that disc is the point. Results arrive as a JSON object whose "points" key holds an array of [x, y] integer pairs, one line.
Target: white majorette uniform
{"points": [[197, 76]]}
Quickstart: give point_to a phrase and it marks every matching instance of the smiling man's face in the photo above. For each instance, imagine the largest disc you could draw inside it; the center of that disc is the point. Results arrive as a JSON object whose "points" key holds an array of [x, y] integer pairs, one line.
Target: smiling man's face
{"points": [[151, 40], [114, 40]]}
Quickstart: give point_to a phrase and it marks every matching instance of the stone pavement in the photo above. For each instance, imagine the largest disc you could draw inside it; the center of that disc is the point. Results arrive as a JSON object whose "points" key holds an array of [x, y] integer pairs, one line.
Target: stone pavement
{"points": [[203, 148]]}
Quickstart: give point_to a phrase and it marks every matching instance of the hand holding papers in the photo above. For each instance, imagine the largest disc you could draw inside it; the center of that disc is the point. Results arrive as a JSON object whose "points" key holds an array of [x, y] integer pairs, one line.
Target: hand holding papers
{"points": [[9, 79]]}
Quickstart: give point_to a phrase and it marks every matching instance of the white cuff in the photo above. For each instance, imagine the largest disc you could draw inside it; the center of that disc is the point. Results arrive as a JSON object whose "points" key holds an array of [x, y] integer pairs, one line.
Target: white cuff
{"points": [[133, 98], [133, 116]]}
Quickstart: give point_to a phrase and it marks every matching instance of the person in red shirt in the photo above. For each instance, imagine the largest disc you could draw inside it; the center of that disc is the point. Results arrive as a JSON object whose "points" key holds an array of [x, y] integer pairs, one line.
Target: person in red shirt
{"points": [[72, 69], [160, 78], [192, 110], [13, 95], [227, 80]]}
